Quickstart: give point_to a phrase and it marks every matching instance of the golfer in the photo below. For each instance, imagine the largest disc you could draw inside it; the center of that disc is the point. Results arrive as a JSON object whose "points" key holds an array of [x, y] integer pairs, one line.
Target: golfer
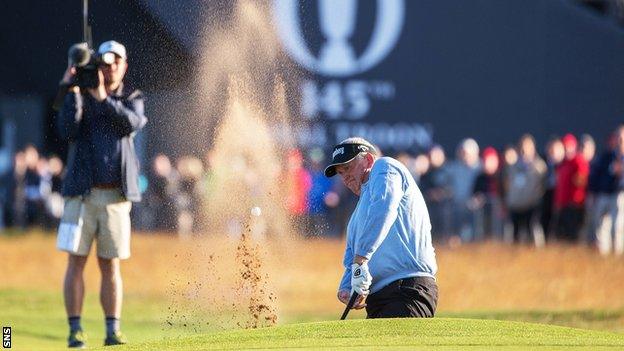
{"points": [[389, 259]]}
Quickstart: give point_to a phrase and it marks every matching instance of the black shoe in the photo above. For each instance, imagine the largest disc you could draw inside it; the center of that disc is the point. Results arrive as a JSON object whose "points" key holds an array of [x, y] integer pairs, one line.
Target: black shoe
{"points": [[115, 339], [77, 339]]}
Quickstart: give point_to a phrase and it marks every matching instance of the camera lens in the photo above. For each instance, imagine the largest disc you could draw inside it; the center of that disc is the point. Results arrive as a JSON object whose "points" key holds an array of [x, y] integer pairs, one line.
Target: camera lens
{"points": [[79, 54]]}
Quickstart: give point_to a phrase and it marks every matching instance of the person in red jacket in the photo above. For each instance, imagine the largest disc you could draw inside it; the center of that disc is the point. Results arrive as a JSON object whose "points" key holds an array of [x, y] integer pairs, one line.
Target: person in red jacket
{"points": [[298, 183], [570, 190]]}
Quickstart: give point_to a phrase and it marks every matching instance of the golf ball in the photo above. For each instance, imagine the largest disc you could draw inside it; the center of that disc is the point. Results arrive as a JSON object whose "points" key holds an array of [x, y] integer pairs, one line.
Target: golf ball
{"points": [[255, 211]]}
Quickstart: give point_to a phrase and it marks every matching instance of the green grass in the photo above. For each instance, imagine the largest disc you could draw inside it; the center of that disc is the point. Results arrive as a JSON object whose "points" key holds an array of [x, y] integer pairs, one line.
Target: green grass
{"points": [[39, 323], [38, 319], [431, 334], [606, 320]]}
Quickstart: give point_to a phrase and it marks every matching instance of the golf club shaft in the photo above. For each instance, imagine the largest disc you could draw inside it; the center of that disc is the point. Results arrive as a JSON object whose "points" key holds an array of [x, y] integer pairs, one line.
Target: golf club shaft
{"points": [[349, 305]]}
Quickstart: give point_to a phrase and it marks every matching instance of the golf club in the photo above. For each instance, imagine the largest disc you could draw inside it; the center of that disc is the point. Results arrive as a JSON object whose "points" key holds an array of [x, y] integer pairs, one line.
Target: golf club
{"points": [[349, 305]]}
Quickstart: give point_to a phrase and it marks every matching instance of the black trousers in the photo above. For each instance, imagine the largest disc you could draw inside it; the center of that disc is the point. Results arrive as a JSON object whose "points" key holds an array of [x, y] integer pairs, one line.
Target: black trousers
{"points": [[547, 214], [570, 222], [403, 298], [522, 220]]}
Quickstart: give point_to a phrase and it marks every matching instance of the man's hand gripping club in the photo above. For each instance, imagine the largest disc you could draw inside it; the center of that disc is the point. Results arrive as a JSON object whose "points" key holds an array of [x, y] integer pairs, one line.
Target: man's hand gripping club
{"points": [[360, 283], [360, 278]]}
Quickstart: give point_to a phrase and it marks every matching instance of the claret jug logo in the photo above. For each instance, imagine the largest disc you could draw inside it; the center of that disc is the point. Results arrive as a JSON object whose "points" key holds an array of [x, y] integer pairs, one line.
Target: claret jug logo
{"points": [[337, 21], [344, 96]]}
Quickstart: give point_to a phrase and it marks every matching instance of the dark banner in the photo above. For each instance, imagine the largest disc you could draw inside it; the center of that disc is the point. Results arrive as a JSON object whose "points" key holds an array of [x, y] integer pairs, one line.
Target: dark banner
{"points": [[406, 74]]}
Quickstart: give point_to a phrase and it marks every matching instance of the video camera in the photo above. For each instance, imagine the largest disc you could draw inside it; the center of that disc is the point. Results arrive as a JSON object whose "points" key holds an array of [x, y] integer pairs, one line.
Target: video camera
{"points": [[87, 62]]}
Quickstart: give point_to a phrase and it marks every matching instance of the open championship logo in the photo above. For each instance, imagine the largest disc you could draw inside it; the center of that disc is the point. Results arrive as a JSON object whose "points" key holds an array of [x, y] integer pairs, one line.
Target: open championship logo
{"points": [[337, 24]]}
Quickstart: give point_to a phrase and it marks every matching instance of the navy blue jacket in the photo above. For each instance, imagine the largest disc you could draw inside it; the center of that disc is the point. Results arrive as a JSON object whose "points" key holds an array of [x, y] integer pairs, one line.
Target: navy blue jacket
{"points": [[601, 180], [126, 116]]}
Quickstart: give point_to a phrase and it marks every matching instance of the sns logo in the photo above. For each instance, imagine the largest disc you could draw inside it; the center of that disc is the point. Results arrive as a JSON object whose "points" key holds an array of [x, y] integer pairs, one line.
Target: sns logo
{"points": [[337, 21], [6, 337]]}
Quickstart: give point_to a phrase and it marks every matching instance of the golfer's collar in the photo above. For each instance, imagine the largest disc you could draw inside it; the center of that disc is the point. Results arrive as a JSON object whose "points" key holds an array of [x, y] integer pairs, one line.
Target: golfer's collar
{"points": [[365, 184], [368, 177]]}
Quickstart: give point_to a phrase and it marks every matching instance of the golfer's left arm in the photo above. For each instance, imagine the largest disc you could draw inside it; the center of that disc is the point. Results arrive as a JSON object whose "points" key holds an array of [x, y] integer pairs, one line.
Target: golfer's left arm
{"points": [[386, 194]]}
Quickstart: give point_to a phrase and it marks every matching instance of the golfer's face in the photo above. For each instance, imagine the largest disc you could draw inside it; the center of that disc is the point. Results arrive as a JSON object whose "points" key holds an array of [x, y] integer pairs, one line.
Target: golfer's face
{"points": [[352, 174]]}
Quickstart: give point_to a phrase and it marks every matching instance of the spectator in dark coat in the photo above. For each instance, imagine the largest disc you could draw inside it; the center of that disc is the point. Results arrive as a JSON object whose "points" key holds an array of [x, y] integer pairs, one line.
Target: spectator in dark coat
{"points": [[609, 204], [486, 198], [554, 156], [436, 188], [161, 194], [32, 187]]}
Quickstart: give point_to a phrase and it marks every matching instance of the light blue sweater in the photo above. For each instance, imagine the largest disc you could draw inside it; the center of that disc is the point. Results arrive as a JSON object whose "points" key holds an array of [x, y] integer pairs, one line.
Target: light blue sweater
{"points": [[390, 226]]}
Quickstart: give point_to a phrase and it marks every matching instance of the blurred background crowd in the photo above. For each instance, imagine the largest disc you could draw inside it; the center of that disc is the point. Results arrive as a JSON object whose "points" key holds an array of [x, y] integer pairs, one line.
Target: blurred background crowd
{"points": [[568, 190], [480, 72]]}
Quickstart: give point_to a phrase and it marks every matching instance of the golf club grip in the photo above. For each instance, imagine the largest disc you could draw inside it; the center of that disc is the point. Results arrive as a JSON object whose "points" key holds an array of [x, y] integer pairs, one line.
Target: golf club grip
{"points": [[349, 305]]}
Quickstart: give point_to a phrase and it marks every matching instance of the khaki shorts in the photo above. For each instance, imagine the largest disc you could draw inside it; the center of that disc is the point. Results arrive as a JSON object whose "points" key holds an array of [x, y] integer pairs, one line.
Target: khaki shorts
{"points": [[103, 215]]}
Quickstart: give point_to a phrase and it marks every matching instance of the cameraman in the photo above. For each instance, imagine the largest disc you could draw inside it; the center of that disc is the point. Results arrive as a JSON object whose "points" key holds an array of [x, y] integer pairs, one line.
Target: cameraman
{"points": [[102, 178]]}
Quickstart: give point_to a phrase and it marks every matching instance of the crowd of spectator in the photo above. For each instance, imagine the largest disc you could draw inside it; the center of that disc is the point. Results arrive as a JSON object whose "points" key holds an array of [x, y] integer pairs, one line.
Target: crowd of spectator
{"points": [[30, 190], [516, 195], [569, 194]]}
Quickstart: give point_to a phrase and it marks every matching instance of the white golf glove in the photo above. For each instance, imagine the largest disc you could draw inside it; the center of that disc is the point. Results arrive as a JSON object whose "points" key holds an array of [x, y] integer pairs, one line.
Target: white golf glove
{"points": [[360, 279]]}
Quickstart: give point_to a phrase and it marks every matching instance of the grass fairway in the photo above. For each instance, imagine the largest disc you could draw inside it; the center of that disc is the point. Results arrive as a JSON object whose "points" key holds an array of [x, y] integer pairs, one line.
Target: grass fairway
{"points": [[39, 323], [429, 334], [177, 297]]}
